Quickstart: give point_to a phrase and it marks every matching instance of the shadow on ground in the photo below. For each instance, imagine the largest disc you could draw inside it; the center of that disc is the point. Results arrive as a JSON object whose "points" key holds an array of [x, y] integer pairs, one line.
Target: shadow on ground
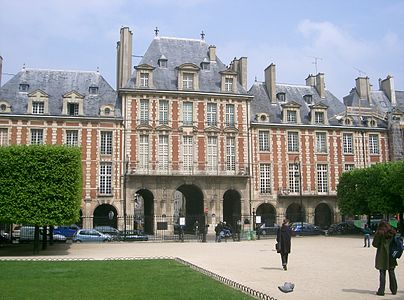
{"points": [[28, 250]]}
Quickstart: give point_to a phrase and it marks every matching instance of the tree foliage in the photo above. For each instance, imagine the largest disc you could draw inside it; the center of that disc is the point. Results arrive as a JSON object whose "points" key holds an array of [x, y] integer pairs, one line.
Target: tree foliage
{"points": [[379, 188], [40, 184]]}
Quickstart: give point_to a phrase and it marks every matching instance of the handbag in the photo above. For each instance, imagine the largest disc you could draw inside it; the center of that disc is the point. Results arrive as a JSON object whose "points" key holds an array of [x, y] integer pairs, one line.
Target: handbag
{"points": [[278, 247]]}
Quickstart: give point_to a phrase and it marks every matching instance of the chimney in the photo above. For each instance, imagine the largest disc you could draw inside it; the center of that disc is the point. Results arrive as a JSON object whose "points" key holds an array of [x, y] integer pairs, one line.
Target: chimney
{"points": [[212, 53], [362, 87], [1, 68], [270, 78], [320, 86], [387, 86], [242, 72], [311, 80], [124, 57]]}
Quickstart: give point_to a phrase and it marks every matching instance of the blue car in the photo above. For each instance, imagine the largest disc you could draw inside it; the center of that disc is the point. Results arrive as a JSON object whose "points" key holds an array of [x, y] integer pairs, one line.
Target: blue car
{"points": [[67, 231], [90, 235]]}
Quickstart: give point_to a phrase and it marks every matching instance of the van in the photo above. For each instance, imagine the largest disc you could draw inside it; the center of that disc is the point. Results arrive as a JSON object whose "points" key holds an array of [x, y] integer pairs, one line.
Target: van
{"points": [[27, 234]]}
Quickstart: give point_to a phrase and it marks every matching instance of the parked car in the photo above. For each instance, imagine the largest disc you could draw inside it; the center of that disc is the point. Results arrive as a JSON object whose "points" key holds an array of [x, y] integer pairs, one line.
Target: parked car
{"points": [[109, 230], [27, 234], [266, 229], [4, 238], [343, 228], [16, 233], [307, 229], [134, 235], [90, 235], [66, 230]]}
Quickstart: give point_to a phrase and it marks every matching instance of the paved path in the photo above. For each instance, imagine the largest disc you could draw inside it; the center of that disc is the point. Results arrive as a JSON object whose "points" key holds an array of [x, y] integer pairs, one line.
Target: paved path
{"points": [[320, 267]]}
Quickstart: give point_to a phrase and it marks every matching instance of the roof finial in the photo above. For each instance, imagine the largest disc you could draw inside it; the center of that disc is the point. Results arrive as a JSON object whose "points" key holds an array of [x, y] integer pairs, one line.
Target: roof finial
{"points": [[23, 66], [202, 35], [156, 31]]}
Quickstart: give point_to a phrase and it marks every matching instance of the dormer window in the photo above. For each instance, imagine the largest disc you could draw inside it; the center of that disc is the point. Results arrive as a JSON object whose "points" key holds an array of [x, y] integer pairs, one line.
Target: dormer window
{"points": [[228, 84], [38, 107], [291, 116], [3, 107], [73, 109], [144, 79], [162, 62], [188, 81], [347, 122], [205, 66], [319, 117], [107, 110], [291, 112], [308, 99], [372, 123], [24, 87], [73, 104], [281, 97], [93, 90]]}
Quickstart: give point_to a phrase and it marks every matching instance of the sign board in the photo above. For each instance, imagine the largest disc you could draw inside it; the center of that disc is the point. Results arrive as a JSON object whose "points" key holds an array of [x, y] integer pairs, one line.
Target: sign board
{"points": [[258, 219], [162, 226], [182, 221]]}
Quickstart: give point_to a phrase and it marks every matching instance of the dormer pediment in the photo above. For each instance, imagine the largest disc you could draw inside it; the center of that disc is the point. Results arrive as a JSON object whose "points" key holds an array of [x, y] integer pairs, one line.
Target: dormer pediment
{"points": [[145, 67], [73, 94], [319, 106], [38, 94], [188, 67], [291, 104], [228, 72]]}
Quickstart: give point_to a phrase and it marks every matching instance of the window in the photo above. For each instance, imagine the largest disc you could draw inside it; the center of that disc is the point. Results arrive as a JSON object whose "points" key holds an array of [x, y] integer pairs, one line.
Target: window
{"points": [[3, 107], [144, 79], [374, 144], [228, 84], [73, 109], [349, 167], [188, 81], [265, 178], [322, 178], [187, 113], [263, 140], [36, 136], [163, 153], [291, 116], [211, 114], [144, 111], [72, 137], [93, 90], [3, 137], [163, 112], [281, 97], [347, 121], [230, 154], [205, 66], [24, 87], [294, 178], [107, 111], [144, 152], [308, 99], [162, 63], [187, 154], [106, 142], [347, 139], [38, 107], [230, 115], [212, 162], [293, 142], [105, 187], [319, 117], [321, 142]]}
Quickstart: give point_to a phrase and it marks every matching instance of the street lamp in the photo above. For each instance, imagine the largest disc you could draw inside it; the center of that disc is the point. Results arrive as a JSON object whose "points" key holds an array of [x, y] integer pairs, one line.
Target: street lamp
{"points": [[297, 165]]}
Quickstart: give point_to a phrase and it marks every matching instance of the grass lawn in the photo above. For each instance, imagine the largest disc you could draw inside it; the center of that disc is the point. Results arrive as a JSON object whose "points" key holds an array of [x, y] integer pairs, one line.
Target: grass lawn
{"points": [[129, 279]]}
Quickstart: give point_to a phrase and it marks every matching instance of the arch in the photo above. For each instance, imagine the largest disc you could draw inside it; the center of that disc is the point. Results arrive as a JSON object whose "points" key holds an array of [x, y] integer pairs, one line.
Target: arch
{"points": [[188, 202], [323, 216], [105, 215], [231, 207], [295, 213], [144, 211], [268, 214], [79, 222]]}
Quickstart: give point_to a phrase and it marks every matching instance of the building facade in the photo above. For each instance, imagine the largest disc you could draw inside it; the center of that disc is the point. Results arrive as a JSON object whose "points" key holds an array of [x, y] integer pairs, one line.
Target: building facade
{"points": [[183, 136]]}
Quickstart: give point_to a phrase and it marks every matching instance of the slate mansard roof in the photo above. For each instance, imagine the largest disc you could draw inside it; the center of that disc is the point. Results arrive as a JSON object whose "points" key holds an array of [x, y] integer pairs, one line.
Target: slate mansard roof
{"points": [[293, 93], [56, 84], [179, 51]]}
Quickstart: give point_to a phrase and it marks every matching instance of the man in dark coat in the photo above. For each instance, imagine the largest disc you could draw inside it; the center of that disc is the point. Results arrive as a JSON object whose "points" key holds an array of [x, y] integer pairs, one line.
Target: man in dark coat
{"points": [[283, 239], [384, 261]]}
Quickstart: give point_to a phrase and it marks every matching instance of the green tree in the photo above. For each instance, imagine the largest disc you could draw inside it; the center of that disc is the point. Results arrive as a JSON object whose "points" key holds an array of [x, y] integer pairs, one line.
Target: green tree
{"points": [[40, 184]]}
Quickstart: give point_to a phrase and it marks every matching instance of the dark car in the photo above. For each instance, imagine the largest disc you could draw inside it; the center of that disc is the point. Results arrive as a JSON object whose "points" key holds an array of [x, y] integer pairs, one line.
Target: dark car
{"points": [[307, 229], [66, 230], [266, 229], [109, 230], [134, 235], [343, 228]]}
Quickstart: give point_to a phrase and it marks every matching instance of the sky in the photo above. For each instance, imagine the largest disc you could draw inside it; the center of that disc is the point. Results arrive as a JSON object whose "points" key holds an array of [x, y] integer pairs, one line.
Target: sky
{"points": [[348, 39]]}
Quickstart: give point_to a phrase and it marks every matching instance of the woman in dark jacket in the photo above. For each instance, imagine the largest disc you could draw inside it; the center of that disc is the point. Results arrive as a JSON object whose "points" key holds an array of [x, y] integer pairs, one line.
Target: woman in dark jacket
{"points": [[384, 261], [283, 238]]}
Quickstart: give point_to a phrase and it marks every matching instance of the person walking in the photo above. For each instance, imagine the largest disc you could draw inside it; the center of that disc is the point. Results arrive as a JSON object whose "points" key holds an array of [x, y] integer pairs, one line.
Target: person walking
{"points": [[283, 239], [384, 261], [366, 235]]}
